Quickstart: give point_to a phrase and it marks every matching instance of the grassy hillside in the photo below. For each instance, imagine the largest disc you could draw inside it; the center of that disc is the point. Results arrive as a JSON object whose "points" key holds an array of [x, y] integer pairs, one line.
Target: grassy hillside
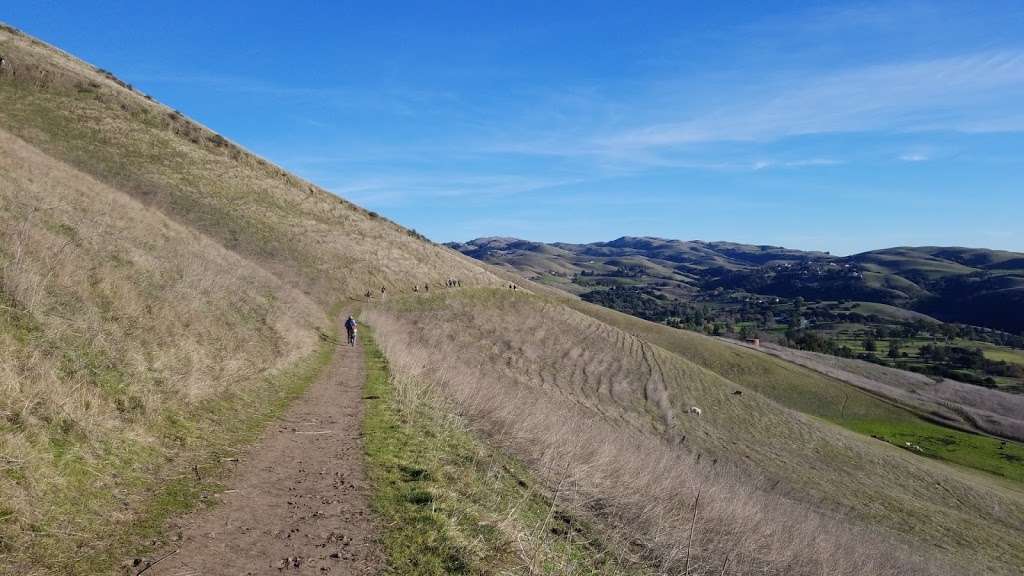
{"points": [[117, 327], [528, 368], [885, 404], [88, 119], [161, 295], [452, 504], [957, 404]]}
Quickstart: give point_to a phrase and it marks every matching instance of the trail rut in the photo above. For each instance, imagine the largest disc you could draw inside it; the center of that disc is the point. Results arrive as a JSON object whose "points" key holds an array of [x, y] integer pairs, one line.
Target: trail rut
{"points": [[299, 501]]}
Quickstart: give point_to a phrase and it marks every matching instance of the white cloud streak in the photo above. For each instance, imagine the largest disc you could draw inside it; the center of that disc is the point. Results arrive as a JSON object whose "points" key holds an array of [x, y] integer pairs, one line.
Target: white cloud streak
{"points": [[958, 93], [391, 190], [972, 93]]}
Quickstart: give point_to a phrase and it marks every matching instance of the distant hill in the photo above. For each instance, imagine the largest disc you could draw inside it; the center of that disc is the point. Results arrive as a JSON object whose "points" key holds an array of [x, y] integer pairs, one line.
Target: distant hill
{"points": [[965, 285]]}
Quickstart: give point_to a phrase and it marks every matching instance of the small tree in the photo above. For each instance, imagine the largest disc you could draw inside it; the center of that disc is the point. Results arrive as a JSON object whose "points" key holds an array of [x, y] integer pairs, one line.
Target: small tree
{"points": [[870, 345], [894, 348]]}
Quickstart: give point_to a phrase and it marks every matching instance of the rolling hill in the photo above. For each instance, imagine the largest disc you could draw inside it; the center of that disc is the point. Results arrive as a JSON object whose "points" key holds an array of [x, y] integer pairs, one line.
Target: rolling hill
{"points": [[965, 285], [164, 294]]}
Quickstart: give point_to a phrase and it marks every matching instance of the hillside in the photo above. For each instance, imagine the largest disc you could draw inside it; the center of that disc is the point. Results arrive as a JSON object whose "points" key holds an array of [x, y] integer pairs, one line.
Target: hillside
{"points": [[971, 286], [166, 295], [89, 120], [162, 293], [532, 373]]}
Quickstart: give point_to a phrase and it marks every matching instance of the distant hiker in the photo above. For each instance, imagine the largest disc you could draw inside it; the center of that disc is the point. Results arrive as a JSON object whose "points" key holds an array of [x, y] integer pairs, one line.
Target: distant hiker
{"points": [[382, 291], [369, 295], [426, 287], [416, 288], [350, 329]]}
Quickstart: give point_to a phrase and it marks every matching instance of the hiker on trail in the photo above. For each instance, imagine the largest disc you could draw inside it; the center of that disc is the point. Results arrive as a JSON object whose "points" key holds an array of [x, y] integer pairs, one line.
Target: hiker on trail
{"points": [[416, 288], [426, 287], [369, 295], [350, 329]]}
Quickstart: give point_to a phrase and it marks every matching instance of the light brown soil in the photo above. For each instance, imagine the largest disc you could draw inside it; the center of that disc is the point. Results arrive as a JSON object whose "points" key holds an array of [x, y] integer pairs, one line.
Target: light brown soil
{"points": [[299, 502]]}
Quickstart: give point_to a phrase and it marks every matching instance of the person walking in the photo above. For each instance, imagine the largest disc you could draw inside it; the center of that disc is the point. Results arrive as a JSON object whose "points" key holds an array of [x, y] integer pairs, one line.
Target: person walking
{"points": [[350, 328]]}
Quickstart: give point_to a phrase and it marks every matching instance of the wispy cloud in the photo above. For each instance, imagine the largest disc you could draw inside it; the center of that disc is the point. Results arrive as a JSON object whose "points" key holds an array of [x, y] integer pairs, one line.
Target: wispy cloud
{"points": [[942, 94], [914, 157], [391, 190], [971, 93]]}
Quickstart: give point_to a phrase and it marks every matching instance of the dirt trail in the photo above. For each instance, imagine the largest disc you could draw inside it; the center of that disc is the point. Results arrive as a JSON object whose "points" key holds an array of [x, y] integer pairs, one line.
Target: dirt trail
{"points": [[299, 501]]}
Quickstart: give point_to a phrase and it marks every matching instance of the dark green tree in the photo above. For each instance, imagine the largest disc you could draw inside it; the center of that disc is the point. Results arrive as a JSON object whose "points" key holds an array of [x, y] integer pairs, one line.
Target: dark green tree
{"points": [[870, 345], [894, 348]]}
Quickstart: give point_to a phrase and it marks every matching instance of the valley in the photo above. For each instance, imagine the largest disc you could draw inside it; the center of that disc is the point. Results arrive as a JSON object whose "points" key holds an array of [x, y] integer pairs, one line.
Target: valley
{"points": [[882, 306]]}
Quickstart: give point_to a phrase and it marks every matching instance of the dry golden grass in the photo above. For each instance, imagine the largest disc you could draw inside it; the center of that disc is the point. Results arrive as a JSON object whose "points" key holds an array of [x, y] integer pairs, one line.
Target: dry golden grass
{"points": [[153, 275], [303, 234], [593, 406], [113, 316]]}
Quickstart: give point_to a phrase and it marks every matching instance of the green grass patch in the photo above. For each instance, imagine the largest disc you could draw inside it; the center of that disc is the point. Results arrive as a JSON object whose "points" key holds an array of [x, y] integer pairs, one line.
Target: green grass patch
{"points": [[994, 351], [450, 504], [15, 321], [1003, 458]]}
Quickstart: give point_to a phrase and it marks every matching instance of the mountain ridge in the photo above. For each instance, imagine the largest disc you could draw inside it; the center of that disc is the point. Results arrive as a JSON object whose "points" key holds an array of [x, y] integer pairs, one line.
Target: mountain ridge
{"points": [[954, 283]]}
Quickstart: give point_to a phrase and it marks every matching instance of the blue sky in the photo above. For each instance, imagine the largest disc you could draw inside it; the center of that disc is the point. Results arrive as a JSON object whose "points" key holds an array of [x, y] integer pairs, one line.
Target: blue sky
{"points": [[841, 127]]}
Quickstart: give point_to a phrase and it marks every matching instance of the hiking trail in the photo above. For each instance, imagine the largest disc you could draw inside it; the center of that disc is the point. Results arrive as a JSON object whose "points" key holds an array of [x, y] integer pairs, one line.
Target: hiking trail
{"points": [[298, 502]]}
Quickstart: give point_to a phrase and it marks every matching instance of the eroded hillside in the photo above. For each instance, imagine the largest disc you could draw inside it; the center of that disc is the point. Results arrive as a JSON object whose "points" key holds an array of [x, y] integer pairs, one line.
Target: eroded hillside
{"points": [[541, 377]]}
